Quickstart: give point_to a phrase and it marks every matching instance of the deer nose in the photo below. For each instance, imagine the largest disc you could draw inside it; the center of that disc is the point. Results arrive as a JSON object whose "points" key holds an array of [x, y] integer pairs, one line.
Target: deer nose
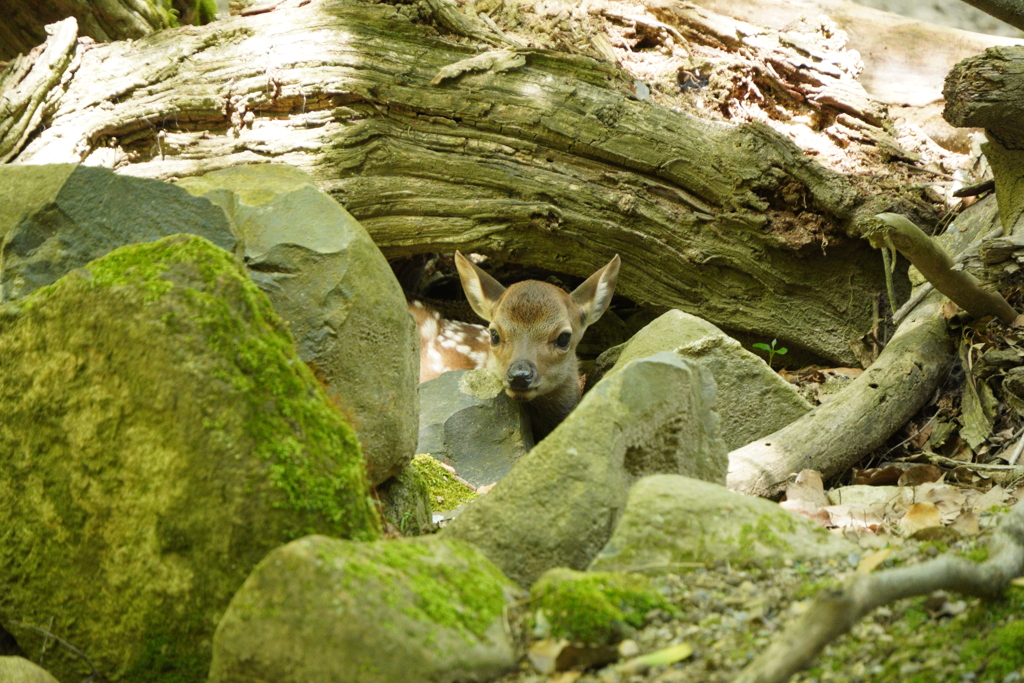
{"points": [[521, 375]]}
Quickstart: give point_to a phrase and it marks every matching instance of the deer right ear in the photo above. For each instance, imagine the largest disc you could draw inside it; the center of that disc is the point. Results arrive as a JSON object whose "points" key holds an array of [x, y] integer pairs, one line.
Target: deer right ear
{"points": [[482, 290]]}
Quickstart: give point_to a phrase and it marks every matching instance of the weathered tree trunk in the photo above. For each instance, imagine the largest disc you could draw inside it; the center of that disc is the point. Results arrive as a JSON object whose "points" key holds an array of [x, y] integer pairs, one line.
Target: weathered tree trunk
{"points": [[555, 163], [21, 27], [987, 91]]}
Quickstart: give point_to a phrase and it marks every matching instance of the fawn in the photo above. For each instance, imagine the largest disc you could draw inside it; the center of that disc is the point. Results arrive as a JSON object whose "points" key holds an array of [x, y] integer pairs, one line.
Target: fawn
{"points": [[530, 342]]}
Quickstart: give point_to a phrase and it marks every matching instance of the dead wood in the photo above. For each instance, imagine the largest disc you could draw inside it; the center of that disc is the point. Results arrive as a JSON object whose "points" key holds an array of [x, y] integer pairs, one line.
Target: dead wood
{"points": [[835, 613], [558, 164], [835, 435], [938, 268], [1010, 11], [28, 86], [905, 61], [987, 91], [22, 27]]}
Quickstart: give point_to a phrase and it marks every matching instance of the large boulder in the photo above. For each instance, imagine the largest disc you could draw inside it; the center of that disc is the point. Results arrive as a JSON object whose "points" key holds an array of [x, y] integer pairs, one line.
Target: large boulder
{"points": [[672, 520], [59, 217], [469, 422], [330, 282], [753, 401], [159, 437], [559, 504], [423, 610]]}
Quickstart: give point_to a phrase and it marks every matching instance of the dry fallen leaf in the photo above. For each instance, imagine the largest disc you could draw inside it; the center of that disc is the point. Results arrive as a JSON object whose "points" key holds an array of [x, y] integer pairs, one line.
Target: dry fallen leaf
{"points": [[919, 474], [920, 516], [877, 476], [966, 524], [949, 309], [663, 657], [869, 563], [808, 510], [995, 496], [544, 653], [807, 486]]}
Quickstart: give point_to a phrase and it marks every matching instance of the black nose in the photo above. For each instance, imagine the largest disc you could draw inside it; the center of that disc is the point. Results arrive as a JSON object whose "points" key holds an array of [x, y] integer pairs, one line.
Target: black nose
{"points": [[521, 375]]}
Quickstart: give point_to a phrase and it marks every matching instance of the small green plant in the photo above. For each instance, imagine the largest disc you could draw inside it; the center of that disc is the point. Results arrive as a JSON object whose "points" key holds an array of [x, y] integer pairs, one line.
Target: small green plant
{"points": [[771, 350]]}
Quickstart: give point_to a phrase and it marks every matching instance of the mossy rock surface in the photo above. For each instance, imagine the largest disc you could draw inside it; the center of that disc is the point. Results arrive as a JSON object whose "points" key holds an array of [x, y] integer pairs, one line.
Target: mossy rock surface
{"points": [[560, 503], [595, 607], [334, 288], [422, 610], [160, 436], [405, 501], [753, 400], [671, 520]]}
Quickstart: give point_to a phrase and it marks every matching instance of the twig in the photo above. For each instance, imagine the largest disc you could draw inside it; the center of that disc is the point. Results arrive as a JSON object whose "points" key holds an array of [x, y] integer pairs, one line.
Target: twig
{"points": [[979, 466], [94, 674], [924, 289], [833, 613]]}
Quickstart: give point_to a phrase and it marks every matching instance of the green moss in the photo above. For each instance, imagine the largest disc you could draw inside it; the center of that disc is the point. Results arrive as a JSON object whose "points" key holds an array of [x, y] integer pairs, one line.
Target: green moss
{"points": [[810, 589], [766, 534], [999, 653], [158, 426], [285, 424], [446, 492], [978, 553], [592, 607], [466, 595]]}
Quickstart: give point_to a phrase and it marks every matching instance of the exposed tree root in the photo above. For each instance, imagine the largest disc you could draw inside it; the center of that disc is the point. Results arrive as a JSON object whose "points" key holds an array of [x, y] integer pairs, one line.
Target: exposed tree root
{"points": [[937, 267]]}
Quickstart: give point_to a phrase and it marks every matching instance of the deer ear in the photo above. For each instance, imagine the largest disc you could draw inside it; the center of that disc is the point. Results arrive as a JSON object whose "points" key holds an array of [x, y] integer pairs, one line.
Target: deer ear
{"points": [[594, 295], [482, 290]]}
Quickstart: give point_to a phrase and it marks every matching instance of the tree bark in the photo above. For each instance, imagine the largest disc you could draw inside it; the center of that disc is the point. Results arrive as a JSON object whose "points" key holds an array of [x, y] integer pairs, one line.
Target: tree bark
{"points": [[102, 20], [837, 434], [555, 164], [987, 91]]}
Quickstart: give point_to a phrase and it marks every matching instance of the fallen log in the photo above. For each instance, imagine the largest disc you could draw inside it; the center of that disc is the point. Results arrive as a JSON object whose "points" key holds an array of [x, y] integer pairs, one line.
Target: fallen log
{"points": [[835, 435], [559, 163]]}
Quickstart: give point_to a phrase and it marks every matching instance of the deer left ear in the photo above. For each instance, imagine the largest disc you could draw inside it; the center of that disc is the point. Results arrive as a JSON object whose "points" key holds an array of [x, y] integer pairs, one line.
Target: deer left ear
{"points": [[594, 295]]}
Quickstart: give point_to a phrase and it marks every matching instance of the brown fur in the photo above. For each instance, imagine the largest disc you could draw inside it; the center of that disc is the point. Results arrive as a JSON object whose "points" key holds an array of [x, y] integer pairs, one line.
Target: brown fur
{"points": [[529, 317]]}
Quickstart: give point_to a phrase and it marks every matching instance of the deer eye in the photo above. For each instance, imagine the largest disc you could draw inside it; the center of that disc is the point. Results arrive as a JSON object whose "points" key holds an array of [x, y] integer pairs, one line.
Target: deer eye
{"points": [[495, 339], [563, 340]]}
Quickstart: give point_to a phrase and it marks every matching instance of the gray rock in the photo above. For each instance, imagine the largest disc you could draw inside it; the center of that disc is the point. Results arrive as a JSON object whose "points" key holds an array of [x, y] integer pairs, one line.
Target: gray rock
{"points": [[753, 401], [18, 670], [559, 504], [329, 281], [405, 501], [671, 519], [422, 610], [59, 217], [469, 422], [159, 437]]}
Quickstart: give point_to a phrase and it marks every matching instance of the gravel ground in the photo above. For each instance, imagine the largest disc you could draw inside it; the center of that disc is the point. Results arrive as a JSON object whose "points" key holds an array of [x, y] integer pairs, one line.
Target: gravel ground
{"points": [[728, 616]]}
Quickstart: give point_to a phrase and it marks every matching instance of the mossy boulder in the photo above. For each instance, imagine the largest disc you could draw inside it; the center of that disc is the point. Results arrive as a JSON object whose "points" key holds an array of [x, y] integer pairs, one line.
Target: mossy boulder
{"points": [[159, 437], [671, 519], [405, 501], [422, 610], [596, 608], [753, 401], [330, 282], [561, 501], [446, 491]]}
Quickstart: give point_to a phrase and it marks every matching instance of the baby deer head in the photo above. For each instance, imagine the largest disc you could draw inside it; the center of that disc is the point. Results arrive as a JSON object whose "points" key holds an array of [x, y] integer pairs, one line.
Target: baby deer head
{"points": [[534, 330]]}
